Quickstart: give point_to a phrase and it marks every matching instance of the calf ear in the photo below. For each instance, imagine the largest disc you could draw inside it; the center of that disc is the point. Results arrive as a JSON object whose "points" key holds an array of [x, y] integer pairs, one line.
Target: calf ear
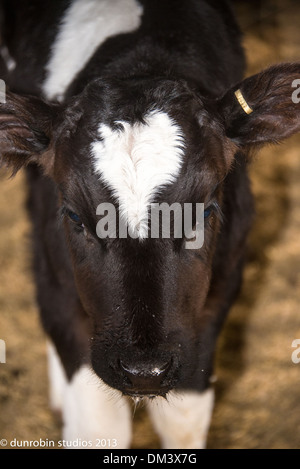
{"points": [[263, 108], [26, 128]]}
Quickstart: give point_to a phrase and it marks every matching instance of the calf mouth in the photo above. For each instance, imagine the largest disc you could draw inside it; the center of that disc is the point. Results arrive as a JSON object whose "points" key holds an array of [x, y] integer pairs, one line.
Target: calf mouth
{"points": [[140, 396], [149, 384]]}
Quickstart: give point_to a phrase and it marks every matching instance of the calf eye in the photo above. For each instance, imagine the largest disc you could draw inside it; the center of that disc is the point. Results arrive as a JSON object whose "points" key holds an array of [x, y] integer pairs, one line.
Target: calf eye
{"points": [[74, 218], [214, 208], [208, 211]]}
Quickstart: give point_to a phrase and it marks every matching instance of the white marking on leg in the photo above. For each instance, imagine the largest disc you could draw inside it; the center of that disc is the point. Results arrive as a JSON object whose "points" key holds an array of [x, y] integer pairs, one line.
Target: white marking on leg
{"points": [[183, 421], [86, 25], [137, 161], [57, 379], [93, 411]]}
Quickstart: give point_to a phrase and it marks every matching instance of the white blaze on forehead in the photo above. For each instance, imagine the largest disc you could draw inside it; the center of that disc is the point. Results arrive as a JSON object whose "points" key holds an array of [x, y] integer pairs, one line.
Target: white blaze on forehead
{"points": [[138, 160], [85, 26]]}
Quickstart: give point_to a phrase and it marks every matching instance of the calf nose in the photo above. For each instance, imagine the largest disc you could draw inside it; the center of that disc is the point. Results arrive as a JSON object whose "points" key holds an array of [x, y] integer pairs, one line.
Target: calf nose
{"points": [[146, 378]]}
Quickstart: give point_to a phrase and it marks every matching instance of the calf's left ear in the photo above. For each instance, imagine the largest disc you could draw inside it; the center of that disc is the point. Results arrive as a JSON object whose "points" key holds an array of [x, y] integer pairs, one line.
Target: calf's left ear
{"points": [[26, 132], [264, 108]]}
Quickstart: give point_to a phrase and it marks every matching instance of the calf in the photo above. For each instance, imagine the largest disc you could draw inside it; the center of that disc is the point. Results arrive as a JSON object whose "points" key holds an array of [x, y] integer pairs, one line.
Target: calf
{"points": [[131, 103]]}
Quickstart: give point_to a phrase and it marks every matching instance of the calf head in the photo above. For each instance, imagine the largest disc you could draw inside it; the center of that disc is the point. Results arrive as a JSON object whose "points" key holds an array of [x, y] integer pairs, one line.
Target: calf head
{"points": [[132, 144]]}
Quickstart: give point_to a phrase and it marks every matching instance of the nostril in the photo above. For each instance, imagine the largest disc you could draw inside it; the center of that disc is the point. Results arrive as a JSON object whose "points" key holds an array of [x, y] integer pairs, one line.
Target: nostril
{"points": [[146, 378], [145, 370]]}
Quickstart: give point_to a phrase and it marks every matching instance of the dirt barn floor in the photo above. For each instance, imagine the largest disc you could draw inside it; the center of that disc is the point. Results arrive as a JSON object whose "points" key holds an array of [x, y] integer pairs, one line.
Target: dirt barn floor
{"points": [[258, 386]]}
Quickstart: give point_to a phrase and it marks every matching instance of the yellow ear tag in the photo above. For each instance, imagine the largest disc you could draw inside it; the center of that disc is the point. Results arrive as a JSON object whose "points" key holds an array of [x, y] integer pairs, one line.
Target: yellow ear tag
{"points": [[243, 102]]}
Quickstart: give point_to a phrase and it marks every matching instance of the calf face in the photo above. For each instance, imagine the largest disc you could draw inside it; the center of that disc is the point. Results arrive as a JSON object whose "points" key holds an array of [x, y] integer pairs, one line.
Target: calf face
{"points": [[141, 293], [132, 144]]}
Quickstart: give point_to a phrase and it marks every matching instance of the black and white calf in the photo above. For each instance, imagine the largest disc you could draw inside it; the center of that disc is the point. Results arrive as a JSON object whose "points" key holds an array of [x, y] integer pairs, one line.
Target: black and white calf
{"points": [[134, 102]]}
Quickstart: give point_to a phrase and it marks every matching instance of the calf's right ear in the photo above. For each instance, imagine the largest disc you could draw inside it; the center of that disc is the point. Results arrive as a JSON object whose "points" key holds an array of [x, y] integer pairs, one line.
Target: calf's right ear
{"points": [[264, 108], [26, 132]]}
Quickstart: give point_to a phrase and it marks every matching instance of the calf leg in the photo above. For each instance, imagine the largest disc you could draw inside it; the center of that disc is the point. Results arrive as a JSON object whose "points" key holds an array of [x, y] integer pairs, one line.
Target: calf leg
{"points": [[91, 411], [57, 380], [95, 413], [182, 421]]}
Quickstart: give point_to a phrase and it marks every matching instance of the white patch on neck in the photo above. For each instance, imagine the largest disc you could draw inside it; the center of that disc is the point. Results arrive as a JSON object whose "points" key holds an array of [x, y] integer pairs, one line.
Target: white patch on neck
{"points": [[86, 25], [136, 162]]}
